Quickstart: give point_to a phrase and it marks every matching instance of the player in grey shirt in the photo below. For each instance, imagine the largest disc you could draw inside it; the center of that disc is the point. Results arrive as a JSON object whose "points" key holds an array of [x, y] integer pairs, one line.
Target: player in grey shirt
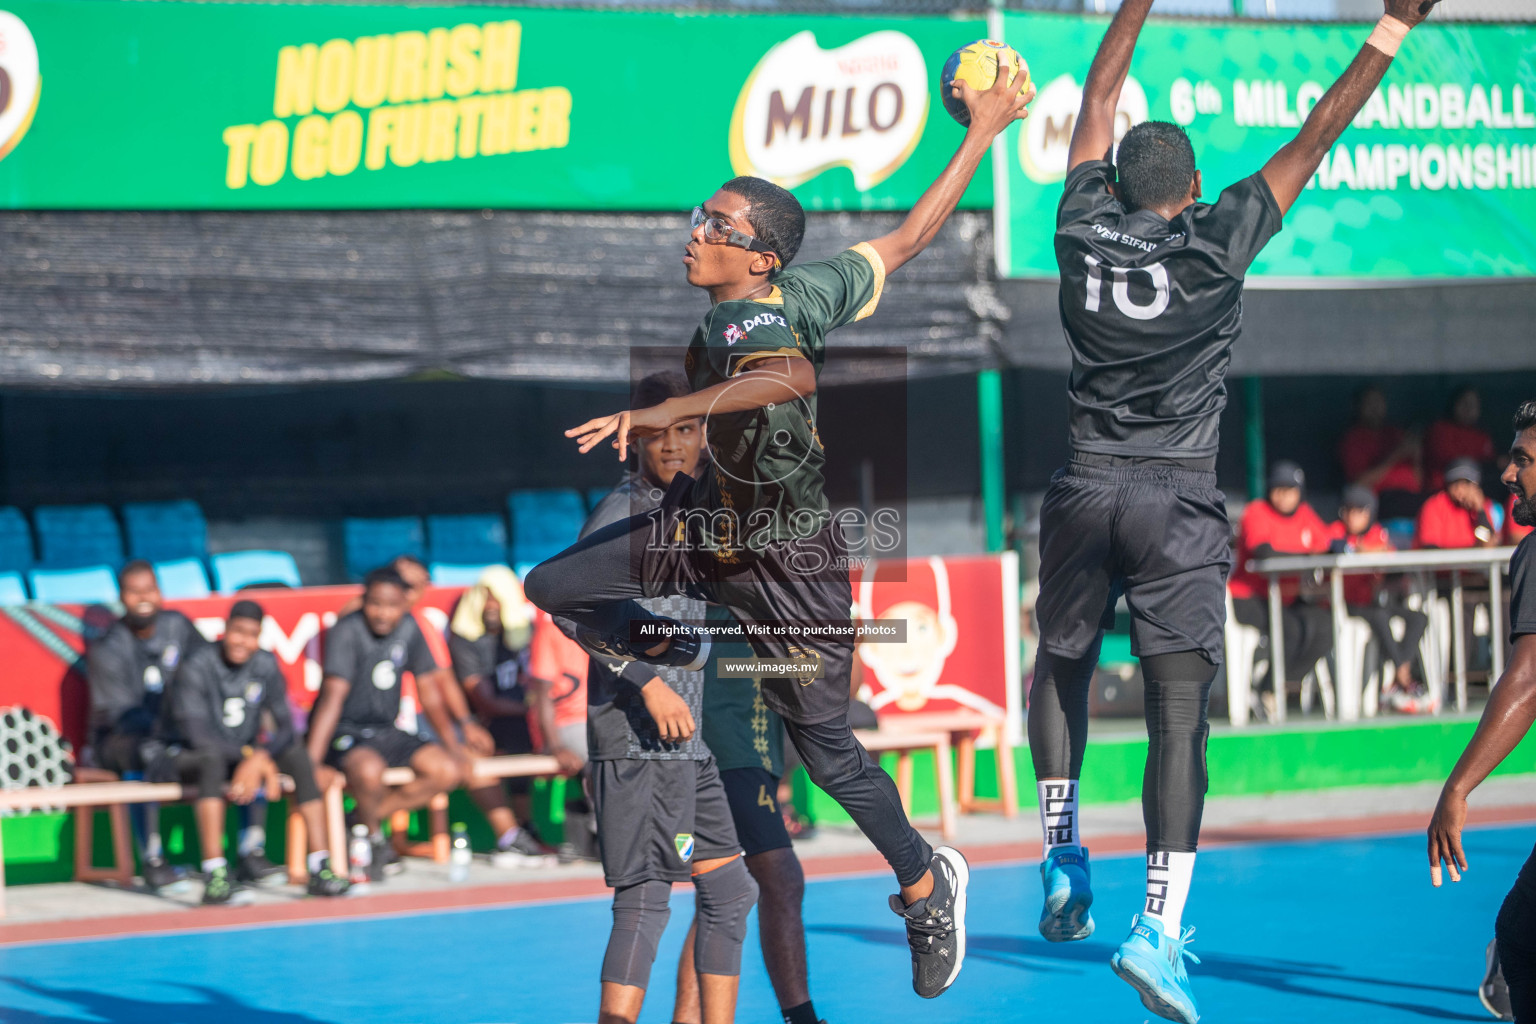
{"points": [[662, 813]]}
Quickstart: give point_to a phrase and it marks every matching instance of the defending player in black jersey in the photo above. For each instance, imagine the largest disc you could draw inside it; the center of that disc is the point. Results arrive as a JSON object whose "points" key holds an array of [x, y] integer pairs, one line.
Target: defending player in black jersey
{"points": [[130, 667], [1507, 718], [228, 709], [1151, 301], [755, 534]]}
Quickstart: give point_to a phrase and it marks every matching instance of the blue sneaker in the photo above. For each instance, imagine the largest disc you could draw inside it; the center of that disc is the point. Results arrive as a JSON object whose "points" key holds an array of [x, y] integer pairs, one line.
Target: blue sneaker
{"points": [[1153, 963], [1065, 917]]}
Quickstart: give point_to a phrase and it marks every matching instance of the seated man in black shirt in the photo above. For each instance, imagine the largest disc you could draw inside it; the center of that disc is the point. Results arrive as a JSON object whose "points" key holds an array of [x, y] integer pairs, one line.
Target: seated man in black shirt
{"points": [[353, 724], [229, 714], [129, 667]]}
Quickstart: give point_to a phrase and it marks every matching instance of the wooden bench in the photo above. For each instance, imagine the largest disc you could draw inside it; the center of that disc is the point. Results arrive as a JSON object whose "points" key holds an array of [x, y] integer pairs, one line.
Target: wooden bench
{"points": [[965, 728], [902, 742], [436, 848]]}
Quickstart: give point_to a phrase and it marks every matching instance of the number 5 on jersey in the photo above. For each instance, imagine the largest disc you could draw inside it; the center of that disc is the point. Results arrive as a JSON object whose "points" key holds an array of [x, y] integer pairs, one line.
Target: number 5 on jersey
{"points": [[1120, 290]]}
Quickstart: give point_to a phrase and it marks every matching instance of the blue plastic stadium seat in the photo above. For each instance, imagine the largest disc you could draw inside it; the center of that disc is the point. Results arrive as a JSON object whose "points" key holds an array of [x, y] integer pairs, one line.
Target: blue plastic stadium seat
{"points": [[13, 590], [235, 569], [467, 540], [371, 543], [96, 584], [544, 523], [182, 577], [77, 536], [448, 575], [162, 531], [15, 541]]}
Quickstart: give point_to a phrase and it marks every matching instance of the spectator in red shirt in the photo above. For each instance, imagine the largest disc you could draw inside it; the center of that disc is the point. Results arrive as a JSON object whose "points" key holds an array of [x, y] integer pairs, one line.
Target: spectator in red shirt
{"points": [[1458, 436], [1460, 516], [1282, 524], [1382, 457], [1367, 598]]}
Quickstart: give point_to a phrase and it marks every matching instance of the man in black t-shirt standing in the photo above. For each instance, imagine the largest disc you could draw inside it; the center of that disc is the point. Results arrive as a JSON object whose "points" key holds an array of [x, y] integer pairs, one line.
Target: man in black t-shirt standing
{"points": [[228, 711], [1507, 718], [353, 727], [129, 668], [1151, 302]]}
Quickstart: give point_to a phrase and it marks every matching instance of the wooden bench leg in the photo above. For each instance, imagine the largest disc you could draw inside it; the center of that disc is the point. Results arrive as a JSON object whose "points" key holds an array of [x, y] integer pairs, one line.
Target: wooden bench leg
{"points": [[121, 870], [336, 825], [1007, 773], [298, 845], [944, 777], [904, 779], [966, 788], [435, 848]]}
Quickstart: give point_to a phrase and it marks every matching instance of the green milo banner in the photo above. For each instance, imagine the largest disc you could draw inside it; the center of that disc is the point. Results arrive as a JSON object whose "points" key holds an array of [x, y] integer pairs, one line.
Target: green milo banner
{"points": [[114, 104], [1435, 179]]}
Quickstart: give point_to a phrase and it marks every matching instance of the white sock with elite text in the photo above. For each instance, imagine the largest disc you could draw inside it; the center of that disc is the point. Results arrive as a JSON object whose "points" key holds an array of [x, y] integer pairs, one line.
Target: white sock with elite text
{"points": [[1058, 813], [1168, 877]]}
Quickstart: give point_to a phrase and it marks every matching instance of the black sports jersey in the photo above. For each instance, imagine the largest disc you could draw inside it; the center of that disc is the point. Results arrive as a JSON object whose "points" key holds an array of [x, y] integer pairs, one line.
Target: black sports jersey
{"points": [[489, 659], [1151, 308], [768, 461], [373, 665], [128, 675], [1522, 589], [618, 725], [218, 706]]}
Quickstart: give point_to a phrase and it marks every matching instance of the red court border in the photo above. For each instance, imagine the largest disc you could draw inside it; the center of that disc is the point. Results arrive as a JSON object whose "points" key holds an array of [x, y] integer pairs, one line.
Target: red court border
{"points": [[523, 893]]}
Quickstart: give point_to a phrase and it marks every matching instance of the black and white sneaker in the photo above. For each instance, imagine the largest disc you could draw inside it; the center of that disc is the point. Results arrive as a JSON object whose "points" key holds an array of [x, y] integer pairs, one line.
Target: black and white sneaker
{"points": [[254, 868], [936, 925], [1493, 992], [689, 649]]}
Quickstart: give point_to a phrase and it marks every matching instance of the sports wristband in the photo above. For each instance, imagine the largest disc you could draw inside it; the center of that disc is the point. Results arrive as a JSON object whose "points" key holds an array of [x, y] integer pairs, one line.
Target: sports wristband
{"points": [[1388, 35]]}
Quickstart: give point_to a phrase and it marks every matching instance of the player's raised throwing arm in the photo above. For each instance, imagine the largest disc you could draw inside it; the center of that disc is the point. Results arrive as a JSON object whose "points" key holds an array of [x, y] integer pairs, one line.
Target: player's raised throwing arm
{"points": [[992, 110], [1093, 136], [1289, 170]]}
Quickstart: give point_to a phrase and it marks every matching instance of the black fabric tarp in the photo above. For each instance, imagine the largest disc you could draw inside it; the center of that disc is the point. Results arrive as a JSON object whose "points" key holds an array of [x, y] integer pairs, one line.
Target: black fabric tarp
{"points": [[194, 300]]}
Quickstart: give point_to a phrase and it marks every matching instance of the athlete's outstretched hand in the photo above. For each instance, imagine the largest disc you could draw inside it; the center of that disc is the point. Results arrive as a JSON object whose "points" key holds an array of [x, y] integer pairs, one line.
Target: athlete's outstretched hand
{"points": [[673, 719], [623, 427], [1410, 12], [1445, 836], [996, 108]]}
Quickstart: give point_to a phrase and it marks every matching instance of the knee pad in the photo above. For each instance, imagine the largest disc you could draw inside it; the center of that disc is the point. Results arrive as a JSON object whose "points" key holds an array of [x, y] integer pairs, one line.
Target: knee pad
{"points": [[725, 897], [640, 914]]}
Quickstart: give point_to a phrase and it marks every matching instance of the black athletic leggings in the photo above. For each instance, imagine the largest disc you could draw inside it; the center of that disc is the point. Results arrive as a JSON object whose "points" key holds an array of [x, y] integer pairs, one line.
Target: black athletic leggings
{"points": [[1515, 928], [597, 582], [1178, 688], [1398, 652], [210, 769]]}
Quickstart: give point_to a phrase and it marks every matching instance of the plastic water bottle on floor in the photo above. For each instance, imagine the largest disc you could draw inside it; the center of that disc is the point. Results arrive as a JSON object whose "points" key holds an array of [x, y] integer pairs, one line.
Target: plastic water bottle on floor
{"points": [[459, 856], [359, 855]]}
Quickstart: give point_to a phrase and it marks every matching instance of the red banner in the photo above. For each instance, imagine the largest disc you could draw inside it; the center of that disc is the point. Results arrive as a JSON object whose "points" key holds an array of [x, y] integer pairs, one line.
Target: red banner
{"points": [[962, 646], [42, 646]]}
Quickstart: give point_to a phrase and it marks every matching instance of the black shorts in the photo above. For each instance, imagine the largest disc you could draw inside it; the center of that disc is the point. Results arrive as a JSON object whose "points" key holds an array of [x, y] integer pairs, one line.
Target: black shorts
{"points": [[753, 796], [1160, 536], [395, 746], [656, 818], [799, 581]]}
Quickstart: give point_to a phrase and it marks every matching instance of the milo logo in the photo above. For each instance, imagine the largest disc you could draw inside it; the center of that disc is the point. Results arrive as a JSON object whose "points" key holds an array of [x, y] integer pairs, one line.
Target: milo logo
{"points": [[804, 110], [1047, 135], [20, 82]]}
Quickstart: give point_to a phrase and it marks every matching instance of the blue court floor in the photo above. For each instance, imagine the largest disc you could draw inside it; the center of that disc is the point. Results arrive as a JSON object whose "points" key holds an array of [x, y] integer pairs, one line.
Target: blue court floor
{"points": [[1327, 931]]}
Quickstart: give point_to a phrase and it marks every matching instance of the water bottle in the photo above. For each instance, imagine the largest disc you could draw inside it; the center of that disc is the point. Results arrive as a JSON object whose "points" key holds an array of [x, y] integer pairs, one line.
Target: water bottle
{"points": [[359, 855], [459, 855]]}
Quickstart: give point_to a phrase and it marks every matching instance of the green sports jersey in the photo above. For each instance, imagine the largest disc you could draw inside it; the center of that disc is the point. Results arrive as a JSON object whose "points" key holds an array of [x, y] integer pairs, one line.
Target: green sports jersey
{"points": [[738, 728], [768, 462]]}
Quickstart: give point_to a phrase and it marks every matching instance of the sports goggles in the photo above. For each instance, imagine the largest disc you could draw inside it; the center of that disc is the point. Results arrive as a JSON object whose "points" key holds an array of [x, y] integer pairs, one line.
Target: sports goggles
{"points": [[718, 232]]}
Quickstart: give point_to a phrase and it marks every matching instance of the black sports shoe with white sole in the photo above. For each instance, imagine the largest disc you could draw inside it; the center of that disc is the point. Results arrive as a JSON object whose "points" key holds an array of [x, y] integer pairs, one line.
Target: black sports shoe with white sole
{"points": [[936, 925], [1493, 992], [689, 649]]}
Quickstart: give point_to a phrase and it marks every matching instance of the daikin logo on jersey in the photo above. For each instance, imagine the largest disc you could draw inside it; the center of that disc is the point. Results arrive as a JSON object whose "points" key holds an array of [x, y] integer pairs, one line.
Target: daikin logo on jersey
{"points": [[805, 110]]}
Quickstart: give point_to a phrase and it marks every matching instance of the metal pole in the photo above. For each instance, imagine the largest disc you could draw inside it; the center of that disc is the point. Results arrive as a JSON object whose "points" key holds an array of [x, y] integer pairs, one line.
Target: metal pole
{"points": [[1253, 435], [989, 404], [1277, 647], [1496, 621]]}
